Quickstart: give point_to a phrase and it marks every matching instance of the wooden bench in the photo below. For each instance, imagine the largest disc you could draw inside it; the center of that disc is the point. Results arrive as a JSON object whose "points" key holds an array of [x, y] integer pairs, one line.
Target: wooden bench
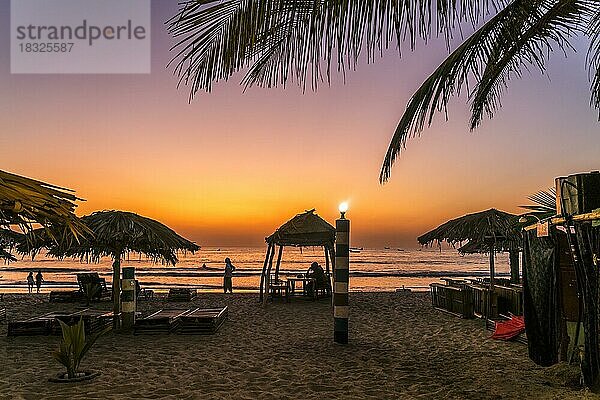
{"points": [[181, 294]]}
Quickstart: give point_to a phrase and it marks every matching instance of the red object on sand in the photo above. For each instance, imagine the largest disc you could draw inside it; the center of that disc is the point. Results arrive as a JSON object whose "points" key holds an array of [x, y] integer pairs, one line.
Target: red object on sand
{"points": [[509, 329]]}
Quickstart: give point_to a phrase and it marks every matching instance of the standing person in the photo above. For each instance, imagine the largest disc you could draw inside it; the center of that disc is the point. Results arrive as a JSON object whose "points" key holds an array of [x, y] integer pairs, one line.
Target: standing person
{"points": [[38, 280], [227, 283], [30, 282]]}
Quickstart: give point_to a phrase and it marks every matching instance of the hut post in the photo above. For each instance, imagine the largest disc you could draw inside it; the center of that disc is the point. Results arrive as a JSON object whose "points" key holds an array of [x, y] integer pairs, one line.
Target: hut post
{"points": [[491, 291], [278, 262], [326, 249], [269, 267], [264, 271], [513, 258], [116, 289]]}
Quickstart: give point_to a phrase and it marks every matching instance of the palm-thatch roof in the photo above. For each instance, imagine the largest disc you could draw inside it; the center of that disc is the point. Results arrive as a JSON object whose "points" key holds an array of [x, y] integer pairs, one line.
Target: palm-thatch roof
{"points": [[478, 228], [120, 232], [305, 229], [25, 201]]}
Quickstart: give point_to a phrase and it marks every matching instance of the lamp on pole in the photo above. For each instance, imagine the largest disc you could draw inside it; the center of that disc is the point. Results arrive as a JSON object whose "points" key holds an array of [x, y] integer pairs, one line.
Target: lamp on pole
{"points": [[341, 276]]}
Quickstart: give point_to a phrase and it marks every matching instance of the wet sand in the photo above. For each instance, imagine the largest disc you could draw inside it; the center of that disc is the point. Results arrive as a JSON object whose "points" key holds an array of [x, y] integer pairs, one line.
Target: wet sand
{"points": [[400, 347]]}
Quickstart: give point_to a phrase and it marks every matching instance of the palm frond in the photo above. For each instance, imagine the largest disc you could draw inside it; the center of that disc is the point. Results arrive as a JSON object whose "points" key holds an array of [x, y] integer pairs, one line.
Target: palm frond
{"points": [[545, 203], [280, 40], [525, 44], [593, 33], [521, 34]]}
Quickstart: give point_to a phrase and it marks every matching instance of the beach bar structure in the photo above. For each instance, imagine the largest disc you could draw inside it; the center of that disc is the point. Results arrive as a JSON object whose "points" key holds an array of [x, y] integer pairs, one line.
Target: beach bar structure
{"points": [[561, 281], [489, 231], [304, 230]]}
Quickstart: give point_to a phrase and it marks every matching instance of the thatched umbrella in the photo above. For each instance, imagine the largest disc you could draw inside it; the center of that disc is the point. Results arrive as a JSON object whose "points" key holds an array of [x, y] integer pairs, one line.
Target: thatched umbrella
{"points": [[25, 201], [492, 230], [116, 233]]}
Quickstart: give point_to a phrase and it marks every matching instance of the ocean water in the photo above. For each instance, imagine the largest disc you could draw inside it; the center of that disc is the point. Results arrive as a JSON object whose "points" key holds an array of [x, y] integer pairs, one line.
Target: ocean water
{"points": [[370, 269]]}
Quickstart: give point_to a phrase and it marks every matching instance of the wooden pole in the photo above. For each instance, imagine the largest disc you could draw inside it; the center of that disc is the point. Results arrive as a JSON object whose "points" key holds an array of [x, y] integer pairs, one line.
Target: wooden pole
{"points": [[341, 309], [492, 273], [116, 290], [129, 298], [513, 259], [278, 263], [262, 276], [268, 274], [326, 260]]}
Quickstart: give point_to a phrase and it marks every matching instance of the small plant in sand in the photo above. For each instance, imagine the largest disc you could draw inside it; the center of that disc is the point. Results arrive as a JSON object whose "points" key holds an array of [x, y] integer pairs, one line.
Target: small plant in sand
{"points": [[74, 346]]}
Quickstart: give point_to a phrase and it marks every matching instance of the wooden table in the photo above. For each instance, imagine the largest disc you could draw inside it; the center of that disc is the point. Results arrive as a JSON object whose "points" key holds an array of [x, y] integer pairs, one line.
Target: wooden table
{"points": [[306, 283]]}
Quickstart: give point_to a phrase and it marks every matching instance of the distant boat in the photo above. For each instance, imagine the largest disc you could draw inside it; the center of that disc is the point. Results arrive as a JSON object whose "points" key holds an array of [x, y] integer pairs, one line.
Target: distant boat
{"points": [[400, 249], [387, 248], [355, 249]]}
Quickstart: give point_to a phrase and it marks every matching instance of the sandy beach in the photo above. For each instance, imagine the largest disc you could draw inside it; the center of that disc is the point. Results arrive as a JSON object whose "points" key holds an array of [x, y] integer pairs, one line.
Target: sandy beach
{"points": [[400, 347]]}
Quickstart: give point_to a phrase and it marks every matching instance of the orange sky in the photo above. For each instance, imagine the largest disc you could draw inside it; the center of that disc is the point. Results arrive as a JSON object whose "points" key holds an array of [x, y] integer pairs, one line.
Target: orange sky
{"points": [[229, 168]]}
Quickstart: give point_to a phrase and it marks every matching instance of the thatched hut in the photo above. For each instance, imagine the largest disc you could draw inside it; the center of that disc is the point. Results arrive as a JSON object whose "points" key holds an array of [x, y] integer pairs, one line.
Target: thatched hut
{"points": [[304, 230], [487, 231]]}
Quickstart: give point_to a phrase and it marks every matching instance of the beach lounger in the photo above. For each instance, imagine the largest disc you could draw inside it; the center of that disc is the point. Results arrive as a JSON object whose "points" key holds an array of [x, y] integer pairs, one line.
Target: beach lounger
{"points": [[94, 320], [43, 325], [160, 322], [181, 294], [202, 321], [62, 296], [143, 294]]}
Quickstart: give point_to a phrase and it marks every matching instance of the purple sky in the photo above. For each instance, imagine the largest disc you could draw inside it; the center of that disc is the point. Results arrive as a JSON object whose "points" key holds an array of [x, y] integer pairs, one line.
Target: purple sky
{"points": [[229, 168]]}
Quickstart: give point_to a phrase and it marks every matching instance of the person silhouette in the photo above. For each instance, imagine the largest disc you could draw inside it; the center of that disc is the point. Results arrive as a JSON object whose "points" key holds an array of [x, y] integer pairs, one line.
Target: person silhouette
{"points": [[39, 278], [227, 279], [30, 282]]}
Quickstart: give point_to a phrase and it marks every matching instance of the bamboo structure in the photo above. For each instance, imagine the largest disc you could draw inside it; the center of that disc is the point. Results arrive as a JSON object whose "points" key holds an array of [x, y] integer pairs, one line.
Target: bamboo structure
{"points": [[304, 230], [487, 231]]}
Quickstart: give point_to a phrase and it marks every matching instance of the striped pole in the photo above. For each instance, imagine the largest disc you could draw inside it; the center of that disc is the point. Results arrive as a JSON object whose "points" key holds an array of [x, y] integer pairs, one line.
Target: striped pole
{"points": [[341, 279], [128, 298]]}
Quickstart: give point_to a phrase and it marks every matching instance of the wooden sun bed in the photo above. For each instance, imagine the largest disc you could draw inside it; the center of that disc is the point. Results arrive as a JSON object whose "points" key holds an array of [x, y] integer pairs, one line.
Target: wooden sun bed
{"points": [[160, 322], [62, 296], [41, 325], [202, 321], [47, 324], [181, 294], [94, 320]]}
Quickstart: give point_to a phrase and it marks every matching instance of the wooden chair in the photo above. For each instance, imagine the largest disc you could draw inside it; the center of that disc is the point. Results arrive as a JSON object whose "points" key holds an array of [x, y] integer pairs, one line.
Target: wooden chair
{"points": [[278, 288], [92, 278]]}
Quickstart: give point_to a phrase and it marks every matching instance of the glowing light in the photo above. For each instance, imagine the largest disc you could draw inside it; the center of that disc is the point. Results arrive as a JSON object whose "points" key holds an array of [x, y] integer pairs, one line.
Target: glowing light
{"points": [[343, 207]]}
